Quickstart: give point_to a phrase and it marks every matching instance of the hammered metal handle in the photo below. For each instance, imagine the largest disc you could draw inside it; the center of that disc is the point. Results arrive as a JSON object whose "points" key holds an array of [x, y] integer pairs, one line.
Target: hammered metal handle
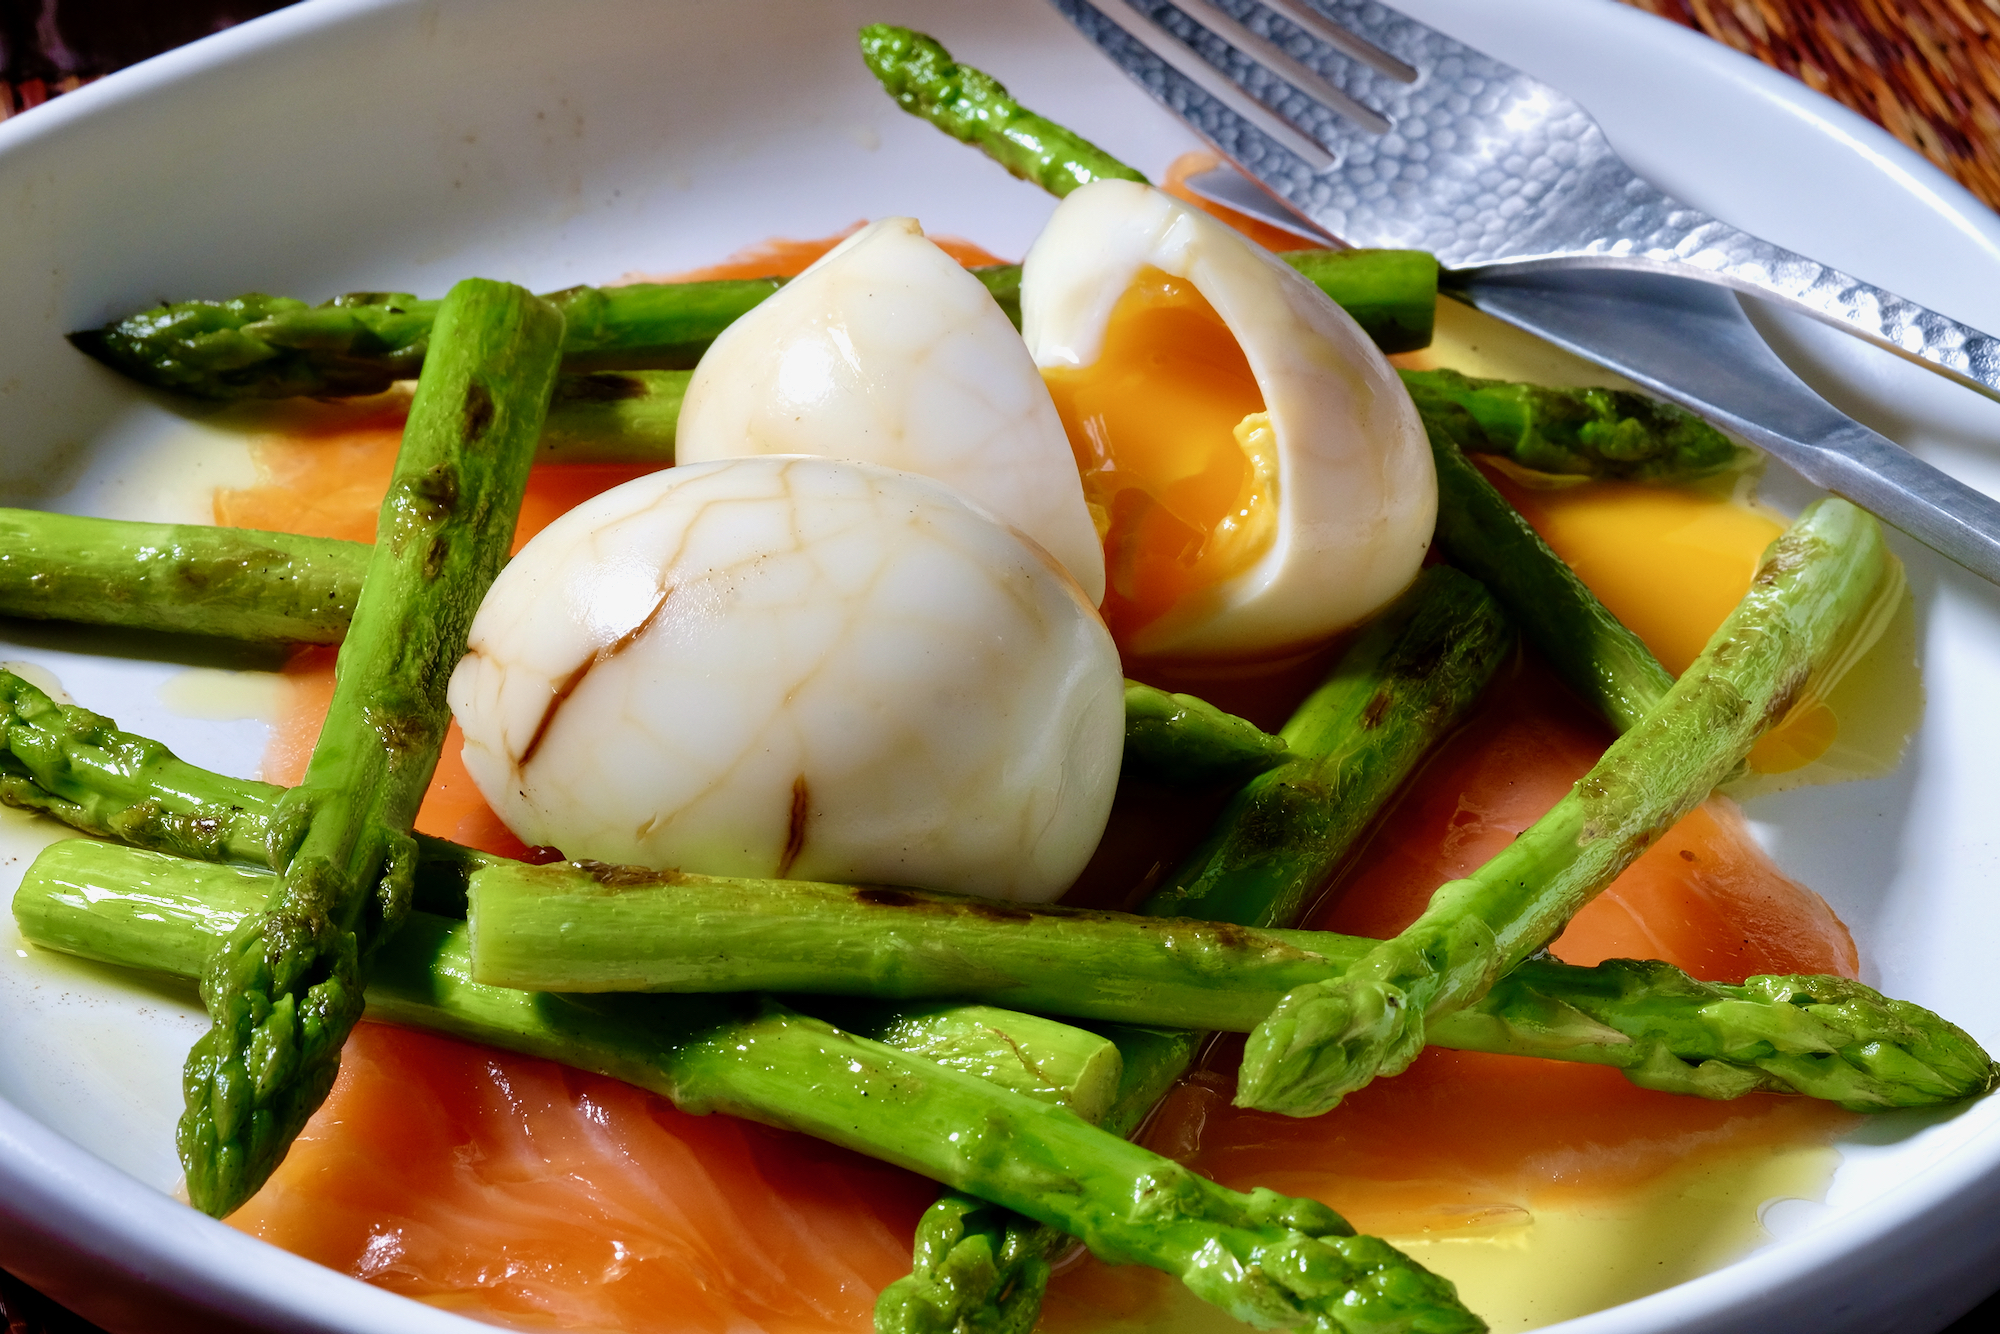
{"points": [[1659, 235]]}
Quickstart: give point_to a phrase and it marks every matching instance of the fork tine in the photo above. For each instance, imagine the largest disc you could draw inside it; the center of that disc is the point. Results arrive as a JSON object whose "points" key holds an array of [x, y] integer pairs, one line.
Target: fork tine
{"points": [[1281, 62], [1186, 61], [1302, 15]]}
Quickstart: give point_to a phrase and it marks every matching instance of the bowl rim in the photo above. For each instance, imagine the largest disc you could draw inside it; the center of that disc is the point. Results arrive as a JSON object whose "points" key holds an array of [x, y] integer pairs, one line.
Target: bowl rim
{"points": [[69, 1221]]}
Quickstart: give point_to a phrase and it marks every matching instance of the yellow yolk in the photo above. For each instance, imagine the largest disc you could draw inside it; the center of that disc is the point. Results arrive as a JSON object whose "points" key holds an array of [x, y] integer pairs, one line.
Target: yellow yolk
{"points": [[1179, 460]]}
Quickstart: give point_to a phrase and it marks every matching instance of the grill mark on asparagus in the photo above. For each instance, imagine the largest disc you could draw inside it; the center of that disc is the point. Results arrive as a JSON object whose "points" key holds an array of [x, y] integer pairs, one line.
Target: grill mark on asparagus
{"points": [[1378, 709], [437, 488], [478, 410], [599, 387], [877, 896], [617, 876], [575, 678], [399, 731]]}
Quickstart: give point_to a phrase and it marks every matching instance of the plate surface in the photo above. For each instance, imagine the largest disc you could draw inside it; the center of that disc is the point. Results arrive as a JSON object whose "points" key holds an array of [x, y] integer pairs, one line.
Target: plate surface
{"points": [[401, 144]]}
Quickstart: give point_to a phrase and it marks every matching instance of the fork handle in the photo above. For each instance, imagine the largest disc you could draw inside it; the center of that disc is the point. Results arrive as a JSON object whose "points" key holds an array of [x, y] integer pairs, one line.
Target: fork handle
{"points": [[1687, 243], [1692, 344]]}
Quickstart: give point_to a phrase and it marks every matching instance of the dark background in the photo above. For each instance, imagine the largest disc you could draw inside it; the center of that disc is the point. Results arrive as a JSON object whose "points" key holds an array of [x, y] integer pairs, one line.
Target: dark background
{"points": [[1928, 70]]}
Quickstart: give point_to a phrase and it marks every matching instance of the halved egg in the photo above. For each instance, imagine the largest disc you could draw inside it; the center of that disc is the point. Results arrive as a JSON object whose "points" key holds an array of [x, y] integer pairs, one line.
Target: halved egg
{"points": [[887, 351], [1257, 472], [796, 667]]}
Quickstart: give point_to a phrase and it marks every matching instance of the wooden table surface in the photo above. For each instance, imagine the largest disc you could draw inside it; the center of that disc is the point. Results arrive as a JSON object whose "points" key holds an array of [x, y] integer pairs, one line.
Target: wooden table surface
{"points": [[1926, 70]]}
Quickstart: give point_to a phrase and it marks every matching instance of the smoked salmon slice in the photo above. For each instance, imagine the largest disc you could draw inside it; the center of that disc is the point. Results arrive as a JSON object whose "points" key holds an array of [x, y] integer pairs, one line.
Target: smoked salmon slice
{"points": [[524, 1193]]}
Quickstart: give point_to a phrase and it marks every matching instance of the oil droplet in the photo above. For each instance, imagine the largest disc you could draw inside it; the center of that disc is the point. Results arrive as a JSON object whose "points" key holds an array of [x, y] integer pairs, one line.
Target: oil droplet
{"points": [[219, 695]]}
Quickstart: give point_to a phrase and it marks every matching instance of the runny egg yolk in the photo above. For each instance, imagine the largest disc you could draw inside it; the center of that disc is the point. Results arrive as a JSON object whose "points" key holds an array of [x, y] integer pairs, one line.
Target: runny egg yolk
{"points": [[1179, 459], [1671, 563]]}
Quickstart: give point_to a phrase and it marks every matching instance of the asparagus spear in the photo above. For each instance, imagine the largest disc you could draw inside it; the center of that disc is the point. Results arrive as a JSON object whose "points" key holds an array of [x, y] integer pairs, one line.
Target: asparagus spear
{"points": [[77, 766], [1823, 584], [1027, 1053], [259, 346], [166, 914], [1402, 686], [1589, 648], [1582, 432], [614, 417], [1263, 1258], [286, 987], [185, 578], [583, 927], [972, 106], [1188, 742], [1823, 1037], [275, 347], [1383, 293]]}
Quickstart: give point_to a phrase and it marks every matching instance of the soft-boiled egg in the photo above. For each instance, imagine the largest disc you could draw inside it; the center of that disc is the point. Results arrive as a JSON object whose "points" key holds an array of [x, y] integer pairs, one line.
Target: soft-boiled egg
{"points": [[796, 667], [887, 351], [1258, 473]]}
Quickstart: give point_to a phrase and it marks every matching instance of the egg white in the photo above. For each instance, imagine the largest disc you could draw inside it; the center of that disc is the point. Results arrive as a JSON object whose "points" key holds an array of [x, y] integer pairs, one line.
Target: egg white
{"points": [[1356, 491], [796, 667], [887, 351]]}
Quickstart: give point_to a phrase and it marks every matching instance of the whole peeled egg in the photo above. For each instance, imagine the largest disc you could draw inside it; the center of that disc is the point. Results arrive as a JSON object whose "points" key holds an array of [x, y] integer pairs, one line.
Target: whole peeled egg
{"points": [[887, 351], [1257, 469], [796, 667]]}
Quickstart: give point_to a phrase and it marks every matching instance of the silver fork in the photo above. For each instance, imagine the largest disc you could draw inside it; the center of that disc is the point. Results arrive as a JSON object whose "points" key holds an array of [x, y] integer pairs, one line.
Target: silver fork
{"points": [[1383, 131]]}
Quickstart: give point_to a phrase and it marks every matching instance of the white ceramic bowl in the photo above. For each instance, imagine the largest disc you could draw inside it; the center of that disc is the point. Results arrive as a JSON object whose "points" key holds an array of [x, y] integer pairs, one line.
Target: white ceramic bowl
{"points": [[404, 143]]}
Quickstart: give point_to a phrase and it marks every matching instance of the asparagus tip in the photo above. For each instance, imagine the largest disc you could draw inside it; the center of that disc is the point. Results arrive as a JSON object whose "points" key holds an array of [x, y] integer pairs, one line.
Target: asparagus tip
{"points": [[1837, 1039], [108, 349], [977, 1271], [1324, 1040], [1338, 1284]]}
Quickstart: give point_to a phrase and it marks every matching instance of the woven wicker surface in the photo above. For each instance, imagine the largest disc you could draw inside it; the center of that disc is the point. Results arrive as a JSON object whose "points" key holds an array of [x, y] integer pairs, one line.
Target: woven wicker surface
{"points": [[1926, 70]]}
